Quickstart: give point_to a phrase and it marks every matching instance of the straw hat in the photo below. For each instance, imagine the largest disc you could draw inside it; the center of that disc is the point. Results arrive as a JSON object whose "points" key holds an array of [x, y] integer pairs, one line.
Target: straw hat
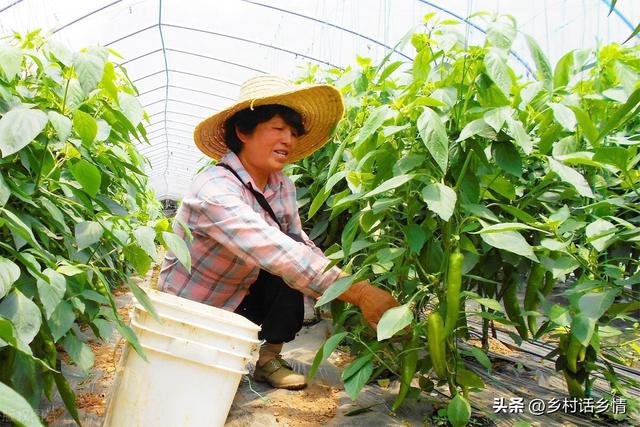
{"points": [[320, 106]]}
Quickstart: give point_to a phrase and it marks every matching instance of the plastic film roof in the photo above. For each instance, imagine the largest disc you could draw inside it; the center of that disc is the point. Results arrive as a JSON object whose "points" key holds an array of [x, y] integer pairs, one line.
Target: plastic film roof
{"points": [[189, 57]]}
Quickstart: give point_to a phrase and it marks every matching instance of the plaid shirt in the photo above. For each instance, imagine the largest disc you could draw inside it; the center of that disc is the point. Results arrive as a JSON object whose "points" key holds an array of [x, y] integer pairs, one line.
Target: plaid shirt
{"points": [[234, 237]]}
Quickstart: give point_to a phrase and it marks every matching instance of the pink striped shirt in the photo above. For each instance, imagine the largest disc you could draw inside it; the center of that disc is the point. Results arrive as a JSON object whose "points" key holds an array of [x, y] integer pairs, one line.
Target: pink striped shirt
{"points": [[234, 237]]}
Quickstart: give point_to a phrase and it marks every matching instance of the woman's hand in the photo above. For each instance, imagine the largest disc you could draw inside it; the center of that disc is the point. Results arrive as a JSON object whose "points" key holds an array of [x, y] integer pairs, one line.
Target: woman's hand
{"points": [[372, 301]]}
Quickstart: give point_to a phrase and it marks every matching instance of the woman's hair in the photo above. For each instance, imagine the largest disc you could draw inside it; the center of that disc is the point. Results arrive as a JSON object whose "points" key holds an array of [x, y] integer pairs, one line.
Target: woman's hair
{"points": [[246, 120]]}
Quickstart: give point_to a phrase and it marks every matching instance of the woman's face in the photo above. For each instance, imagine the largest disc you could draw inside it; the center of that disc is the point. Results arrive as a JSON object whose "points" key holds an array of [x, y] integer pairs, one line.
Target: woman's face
{"points": [[268, 148]]}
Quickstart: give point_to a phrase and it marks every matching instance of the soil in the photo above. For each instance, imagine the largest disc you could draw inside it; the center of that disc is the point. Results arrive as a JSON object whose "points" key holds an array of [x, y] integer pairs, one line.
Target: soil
{"points": [[495, 346], [316, 405], [91, 402]]}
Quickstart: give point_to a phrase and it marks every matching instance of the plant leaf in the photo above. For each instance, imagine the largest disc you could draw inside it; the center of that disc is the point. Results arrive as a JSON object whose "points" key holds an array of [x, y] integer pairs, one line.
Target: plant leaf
{"points": [[394, 320], [51, 291], [87, 233], [496, 67], [511, 241], [61, 124], [88, 175], [598, 227], [520, 135], [440, 199], [131, 108], [434, 136], [324, 352], [571, 176], [372, 124], [459, 411], [19, 127], [80, 353], [10, 61], [85, 126], [179, 248], [541, 61], [389, 184], [16, 407], [89, 68], [564, 116], [335, 290], [357, 381], [145, 236], [9, 273], [23, 313], [61, 320]]}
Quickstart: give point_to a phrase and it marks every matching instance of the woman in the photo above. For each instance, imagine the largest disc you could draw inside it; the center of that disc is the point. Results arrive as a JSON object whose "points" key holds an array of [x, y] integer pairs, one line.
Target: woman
{"points": [[249, 252]]}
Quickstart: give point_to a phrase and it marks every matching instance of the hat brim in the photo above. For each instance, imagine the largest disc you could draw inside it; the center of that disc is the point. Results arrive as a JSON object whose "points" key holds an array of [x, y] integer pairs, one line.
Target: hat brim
{"points": [[320, 106]]}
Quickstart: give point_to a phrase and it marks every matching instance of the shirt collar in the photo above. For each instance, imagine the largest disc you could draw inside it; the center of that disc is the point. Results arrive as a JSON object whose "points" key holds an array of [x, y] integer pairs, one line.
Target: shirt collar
{"points": [[275, 182]]}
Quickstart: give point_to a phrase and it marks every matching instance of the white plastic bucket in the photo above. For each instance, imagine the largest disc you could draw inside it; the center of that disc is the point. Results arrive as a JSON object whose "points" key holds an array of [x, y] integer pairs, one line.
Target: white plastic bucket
{"points": [[197, 355]]}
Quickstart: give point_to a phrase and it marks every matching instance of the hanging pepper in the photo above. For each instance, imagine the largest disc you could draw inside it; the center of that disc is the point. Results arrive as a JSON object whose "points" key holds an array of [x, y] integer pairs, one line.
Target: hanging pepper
{"points": [[512, 306], [436, 337], [454, 284], [408, 369], [574, 352], [531, 300]]}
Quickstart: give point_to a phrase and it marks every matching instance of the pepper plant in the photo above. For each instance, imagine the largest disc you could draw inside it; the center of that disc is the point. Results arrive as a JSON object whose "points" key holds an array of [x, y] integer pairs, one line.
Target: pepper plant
{"points": [[77, 218], [453, 178]]}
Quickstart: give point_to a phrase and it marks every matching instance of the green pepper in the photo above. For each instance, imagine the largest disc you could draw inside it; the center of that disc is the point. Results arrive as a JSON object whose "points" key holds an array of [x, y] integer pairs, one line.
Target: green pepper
{"points": [[454, 284], [408, 369], [436, 338], [573, 386], [512, 307], [531, 300], [574, 348], [549, 283]]}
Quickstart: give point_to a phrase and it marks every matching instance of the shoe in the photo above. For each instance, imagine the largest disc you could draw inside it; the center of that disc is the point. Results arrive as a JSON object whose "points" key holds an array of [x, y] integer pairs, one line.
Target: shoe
{"points": [[279, 374]]}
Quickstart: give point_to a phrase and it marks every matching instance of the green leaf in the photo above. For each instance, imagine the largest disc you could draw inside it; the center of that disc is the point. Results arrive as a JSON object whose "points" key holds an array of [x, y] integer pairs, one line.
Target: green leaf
{"points": [[507, 158], [476, 127], [599, 227], [356, 382], [145, 236], [10, 61], [389, 184], [497, 117], [355, 366], [5, 191], [490, 302], [85, 126], [434, 136], [335, 290], [87, 233], [23, 313], [572, 177], [318, 201], [481, 357], [67, 394], [621, 115], [131, 108], [9, 273], [80, 353], [325, 351], [440, 199], [564, 116], [349, 233], [16, 407], [179, 248], [142, 298], [616, 156], [468, 378], [541, 61], [585, 122], [20, 228], [104, 130], [562, 73], [459, 411], [501, 34], [88, 175], [416, 237], [582, 328], [139, 258], [89, 68], [61, 124], [520, 135], [595, 304], [51, 291], [496, 67], [511, 241], [19, 127], [394, 320], [61, 320]]}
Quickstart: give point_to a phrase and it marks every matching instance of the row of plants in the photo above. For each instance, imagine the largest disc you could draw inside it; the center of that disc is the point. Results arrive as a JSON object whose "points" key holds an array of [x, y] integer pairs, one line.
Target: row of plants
{"points": [[77, 218], [453, 179]]}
